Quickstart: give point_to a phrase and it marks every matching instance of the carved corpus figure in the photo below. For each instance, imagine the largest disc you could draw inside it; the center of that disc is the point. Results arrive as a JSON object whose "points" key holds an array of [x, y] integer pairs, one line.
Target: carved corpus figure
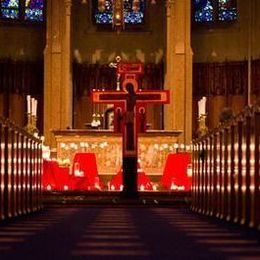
{"points": [[129, 98]]}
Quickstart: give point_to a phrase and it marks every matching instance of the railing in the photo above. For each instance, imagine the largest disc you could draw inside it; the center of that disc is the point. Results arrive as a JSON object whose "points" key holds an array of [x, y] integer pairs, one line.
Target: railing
{"points": [[20, 171], [226, 170]]}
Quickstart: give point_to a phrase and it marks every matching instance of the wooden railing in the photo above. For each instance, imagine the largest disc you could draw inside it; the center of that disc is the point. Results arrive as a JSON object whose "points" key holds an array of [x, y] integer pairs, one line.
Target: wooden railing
{"points": [[226, 170], [20, 171]]}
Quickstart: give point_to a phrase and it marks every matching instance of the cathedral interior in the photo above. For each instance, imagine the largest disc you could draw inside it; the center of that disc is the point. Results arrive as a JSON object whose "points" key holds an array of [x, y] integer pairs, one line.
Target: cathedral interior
{"points": [[91, 169]]}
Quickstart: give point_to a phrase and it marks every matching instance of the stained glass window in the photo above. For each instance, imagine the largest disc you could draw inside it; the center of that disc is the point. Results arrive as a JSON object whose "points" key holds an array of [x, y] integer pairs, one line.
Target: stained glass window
{"points": [[10, 9], [104, 16], [28, 10], [227, 10], [131, 16], [34, 10], [206, 11]]}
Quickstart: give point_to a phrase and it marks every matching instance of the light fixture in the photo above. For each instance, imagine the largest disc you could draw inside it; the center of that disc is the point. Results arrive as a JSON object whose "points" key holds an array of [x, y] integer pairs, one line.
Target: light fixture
{"points": [[118, 15], [118, 19]]}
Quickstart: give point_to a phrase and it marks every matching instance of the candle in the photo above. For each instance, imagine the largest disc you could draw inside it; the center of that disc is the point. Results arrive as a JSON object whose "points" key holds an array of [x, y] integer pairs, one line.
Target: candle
{"points": [[36, 103], [28, 97], [202, 106], [32, 106]]}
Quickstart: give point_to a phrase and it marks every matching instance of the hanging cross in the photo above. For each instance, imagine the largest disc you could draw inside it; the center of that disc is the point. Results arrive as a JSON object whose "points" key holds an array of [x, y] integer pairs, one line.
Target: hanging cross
{"points": [[130, 96]]}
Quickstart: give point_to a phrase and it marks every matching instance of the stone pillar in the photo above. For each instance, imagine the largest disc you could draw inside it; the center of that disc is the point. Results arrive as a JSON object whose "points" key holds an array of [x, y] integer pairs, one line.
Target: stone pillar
{"points": [[57, 69], [178, 115]]}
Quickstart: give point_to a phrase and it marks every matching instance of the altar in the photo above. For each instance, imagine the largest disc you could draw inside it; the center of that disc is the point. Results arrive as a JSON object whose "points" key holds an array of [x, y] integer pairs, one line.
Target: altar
{"points": [[153, 148]]}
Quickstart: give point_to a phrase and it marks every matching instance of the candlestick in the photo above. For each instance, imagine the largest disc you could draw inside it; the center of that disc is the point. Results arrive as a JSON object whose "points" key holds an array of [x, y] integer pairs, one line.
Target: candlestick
{"points": [[118, 82], [34, 124], [32, 106], [202, 129], [35, 108], [93, 107], [202, 106], [31, 116], [28, 97]]}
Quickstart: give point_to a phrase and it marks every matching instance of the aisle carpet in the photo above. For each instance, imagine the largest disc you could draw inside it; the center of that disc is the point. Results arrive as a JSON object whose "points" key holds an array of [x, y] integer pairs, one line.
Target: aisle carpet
{"points": [[124, 233]]}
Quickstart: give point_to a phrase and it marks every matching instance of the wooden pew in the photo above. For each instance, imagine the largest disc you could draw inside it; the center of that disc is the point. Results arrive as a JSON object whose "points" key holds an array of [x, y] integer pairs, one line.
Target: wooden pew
{"points": [[20, 171], [225, 180]]}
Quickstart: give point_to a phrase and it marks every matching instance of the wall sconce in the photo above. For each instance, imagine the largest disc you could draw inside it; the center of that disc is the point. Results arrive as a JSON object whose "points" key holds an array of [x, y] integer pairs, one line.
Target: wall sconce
{"points": [[118, 15]]}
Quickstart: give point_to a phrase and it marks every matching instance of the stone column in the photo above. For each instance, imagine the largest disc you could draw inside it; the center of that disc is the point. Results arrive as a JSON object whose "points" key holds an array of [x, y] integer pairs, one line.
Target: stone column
{"points": [[57, 69], [178, 115]]}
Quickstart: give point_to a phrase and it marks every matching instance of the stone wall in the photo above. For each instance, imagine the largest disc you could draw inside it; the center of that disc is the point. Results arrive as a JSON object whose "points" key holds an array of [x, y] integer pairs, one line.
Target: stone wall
{"points": [[91, 44], [214, 43], [22, 42], [229, 41]]}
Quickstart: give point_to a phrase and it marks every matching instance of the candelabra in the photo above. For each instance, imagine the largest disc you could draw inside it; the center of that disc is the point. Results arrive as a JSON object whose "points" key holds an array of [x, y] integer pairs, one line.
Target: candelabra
{"points": [[31, 126], [118, 15], [31, 115], [202, 129], [118, 22], [96, 120]]}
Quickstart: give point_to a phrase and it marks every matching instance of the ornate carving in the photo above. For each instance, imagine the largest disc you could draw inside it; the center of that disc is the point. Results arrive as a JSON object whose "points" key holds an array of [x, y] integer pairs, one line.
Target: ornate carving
{"points": [[68, 7], [203, 129], [169, 5], [108, 149]]}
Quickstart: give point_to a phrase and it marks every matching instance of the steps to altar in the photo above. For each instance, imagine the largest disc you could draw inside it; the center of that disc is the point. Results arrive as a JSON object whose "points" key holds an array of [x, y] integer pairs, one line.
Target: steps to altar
{"points": [[106, 198]]}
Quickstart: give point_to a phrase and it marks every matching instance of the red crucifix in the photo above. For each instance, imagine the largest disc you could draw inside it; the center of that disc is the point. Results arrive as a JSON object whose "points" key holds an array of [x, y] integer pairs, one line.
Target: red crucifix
{"points": [[129, 98]]}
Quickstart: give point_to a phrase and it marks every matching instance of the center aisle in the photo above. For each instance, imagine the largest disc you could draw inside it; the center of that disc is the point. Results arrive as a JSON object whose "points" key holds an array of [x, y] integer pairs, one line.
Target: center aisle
{"points": [[128, 233]]}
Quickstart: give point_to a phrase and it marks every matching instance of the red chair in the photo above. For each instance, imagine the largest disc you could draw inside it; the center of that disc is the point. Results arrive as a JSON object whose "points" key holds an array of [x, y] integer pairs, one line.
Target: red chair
{"points": [[55, 177], [85, 173], [175, 172]]}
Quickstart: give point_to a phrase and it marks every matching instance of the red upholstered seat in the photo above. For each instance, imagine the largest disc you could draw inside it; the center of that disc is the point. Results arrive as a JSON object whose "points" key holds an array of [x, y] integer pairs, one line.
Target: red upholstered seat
{"points": [[85, 173], [60, 178], [175, 172], [55, 177]]}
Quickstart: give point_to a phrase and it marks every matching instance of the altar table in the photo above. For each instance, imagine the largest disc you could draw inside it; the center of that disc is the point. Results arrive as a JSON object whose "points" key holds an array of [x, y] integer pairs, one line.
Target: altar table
{"points": [[153, 148]]}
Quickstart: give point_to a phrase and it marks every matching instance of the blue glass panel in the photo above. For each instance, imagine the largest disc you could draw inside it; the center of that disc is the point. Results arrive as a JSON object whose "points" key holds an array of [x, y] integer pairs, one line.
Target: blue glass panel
{"points": [[204, 13], [199, 4], [34, 4], [10, 13], [104, 16], [33, 15], [227, 10], [34, 10], [10, 9], [10, 3], [131, 17], [134, 17]]}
